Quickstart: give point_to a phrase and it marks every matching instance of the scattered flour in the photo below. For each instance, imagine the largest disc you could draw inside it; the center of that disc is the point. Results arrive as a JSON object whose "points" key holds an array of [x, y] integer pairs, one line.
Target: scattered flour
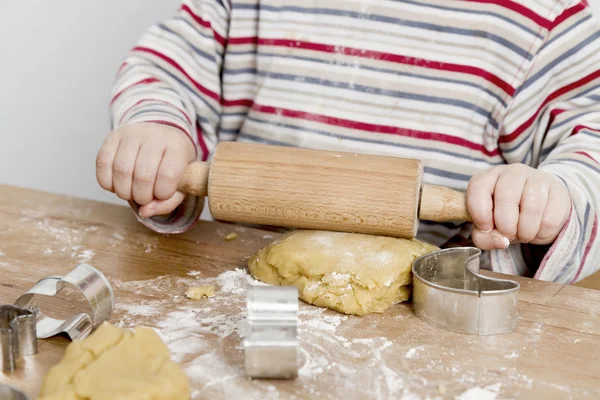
{"points": [[514, 354], [85, 256], [117, 236], [2, 253], [206, 339], [141, 309], [477, 393], [339, 356], [66, 241], [413, 352]]}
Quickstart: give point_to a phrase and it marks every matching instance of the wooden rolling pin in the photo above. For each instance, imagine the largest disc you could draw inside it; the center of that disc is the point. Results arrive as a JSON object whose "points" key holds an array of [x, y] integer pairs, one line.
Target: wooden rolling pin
{"points": [[315, 189]]}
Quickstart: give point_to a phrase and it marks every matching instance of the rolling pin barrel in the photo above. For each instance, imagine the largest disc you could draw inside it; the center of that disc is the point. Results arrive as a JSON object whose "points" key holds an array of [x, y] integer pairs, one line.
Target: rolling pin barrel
{"points": [[315, 189]]}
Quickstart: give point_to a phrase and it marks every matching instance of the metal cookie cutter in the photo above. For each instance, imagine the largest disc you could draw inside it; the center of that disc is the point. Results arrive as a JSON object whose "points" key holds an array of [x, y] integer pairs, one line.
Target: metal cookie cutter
{"points": [[271, 341], [95, 288], [17, 335], [449, 293], [11, 393]]}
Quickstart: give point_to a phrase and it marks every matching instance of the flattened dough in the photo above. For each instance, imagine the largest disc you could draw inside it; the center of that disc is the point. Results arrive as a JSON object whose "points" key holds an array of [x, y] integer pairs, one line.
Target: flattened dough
{"points": [[116, 364], [347, 272]]}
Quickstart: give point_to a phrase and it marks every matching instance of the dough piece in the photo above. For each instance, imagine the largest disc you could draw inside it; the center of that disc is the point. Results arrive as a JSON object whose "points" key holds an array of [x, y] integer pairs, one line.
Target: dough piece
{"points": [[347, 272], [198, 292], [231, 236], [116, 364]]}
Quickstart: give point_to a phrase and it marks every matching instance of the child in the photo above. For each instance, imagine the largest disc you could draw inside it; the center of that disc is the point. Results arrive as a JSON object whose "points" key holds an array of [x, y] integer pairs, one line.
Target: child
{"points": [[500, 98]]}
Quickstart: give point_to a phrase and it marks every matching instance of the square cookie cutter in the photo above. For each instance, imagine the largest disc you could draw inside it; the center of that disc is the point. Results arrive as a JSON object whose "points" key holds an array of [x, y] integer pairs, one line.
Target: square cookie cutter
{"points": [[271, 340], [23, 323], [449, 293]]}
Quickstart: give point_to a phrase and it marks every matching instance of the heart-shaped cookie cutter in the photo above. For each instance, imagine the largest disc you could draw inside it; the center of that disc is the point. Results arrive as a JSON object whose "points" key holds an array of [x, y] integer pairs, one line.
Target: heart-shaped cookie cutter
{"points": [[449, 293]]}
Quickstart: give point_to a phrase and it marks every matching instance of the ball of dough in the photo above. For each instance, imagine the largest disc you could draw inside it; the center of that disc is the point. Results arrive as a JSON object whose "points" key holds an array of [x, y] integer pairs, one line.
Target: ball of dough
{"points": [[347, 272], [116, 364]]}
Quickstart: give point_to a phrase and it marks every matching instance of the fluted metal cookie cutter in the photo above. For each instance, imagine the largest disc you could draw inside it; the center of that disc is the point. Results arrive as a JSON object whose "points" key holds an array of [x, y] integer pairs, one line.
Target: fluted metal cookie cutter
{"points": [[449, 293], [91, 283], [271, 341], [17, 335]]}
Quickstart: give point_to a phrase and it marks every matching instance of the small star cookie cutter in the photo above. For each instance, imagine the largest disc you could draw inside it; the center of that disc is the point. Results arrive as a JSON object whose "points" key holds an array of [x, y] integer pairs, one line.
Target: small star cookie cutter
{"points": [[91, 283], [271, 340], [449, 293]]}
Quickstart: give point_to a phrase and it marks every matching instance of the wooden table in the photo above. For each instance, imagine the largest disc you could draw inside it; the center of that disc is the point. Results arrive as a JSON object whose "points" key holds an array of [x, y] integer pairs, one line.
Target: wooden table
{"points": [[554, 353]]}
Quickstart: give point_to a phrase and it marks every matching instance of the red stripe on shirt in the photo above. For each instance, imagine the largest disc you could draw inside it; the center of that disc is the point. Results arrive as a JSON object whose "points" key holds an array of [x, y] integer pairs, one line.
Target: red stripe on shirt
{"points": [[555, 113], [238, 102], [169, 60], [566, 89], [395, 58], [243, 40], [518, 8], [587, 247], [123, 65], [142, 82], [385, 129], [568, 13], [580, 127], [201, 142], [583, 153], [204, 23], [202, 89]]}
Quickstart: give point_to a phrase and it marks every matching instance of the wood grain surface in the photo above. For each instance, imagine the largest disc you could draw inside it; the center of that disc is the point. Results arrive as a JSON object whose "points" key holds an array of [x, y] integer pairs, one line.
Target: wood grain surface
{"points": [[315, 189], [553, 354]]}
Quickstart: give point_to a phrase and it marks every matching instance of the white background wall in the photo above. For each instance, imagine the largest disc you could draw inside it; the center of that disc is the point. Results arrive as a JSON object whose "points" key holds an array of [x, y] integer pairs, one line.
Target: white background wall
{"points": [[58, 62], [57, 65]]}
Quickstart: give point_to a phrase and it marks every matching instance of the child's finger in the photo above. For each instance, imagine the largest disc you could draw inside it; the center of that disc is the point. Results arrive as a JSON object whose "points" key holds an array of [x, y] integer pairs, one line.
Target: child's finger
{"points": [[169, 174], [104, 162], [479, 199], [507, 197], [489, 240], [123, 166], [533, 203], [162, 207], [554, 216], [144, 175]]}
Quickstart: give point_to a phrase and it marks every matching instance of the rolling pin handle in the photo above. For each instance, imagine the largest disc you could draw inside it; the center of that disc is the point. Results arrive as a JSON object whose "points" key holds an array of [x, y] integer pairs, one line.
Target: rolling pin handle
{"points": [[195, 179], [441, 204]]}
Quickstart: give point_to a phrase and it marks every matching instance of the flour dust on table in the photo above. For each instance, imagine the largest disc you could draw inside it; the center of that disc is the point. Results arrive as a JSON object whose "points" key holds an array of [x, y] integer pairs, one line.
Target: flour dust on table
{"points": [[215, 327], [205, 338]]}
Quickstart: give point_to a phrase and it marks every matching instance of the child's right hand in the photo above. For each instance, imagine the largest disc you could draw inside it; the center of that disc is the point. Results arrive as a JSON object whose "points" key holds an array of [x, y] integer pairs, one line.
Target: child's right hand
{"points": [[145, 162]]}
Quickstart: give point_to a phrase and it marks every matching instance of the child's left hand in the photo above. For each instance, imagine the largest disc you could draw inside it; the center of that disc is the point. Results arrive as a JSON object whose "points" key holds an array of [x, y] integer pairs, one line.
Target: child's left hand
{"points": [[516, 203]]}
